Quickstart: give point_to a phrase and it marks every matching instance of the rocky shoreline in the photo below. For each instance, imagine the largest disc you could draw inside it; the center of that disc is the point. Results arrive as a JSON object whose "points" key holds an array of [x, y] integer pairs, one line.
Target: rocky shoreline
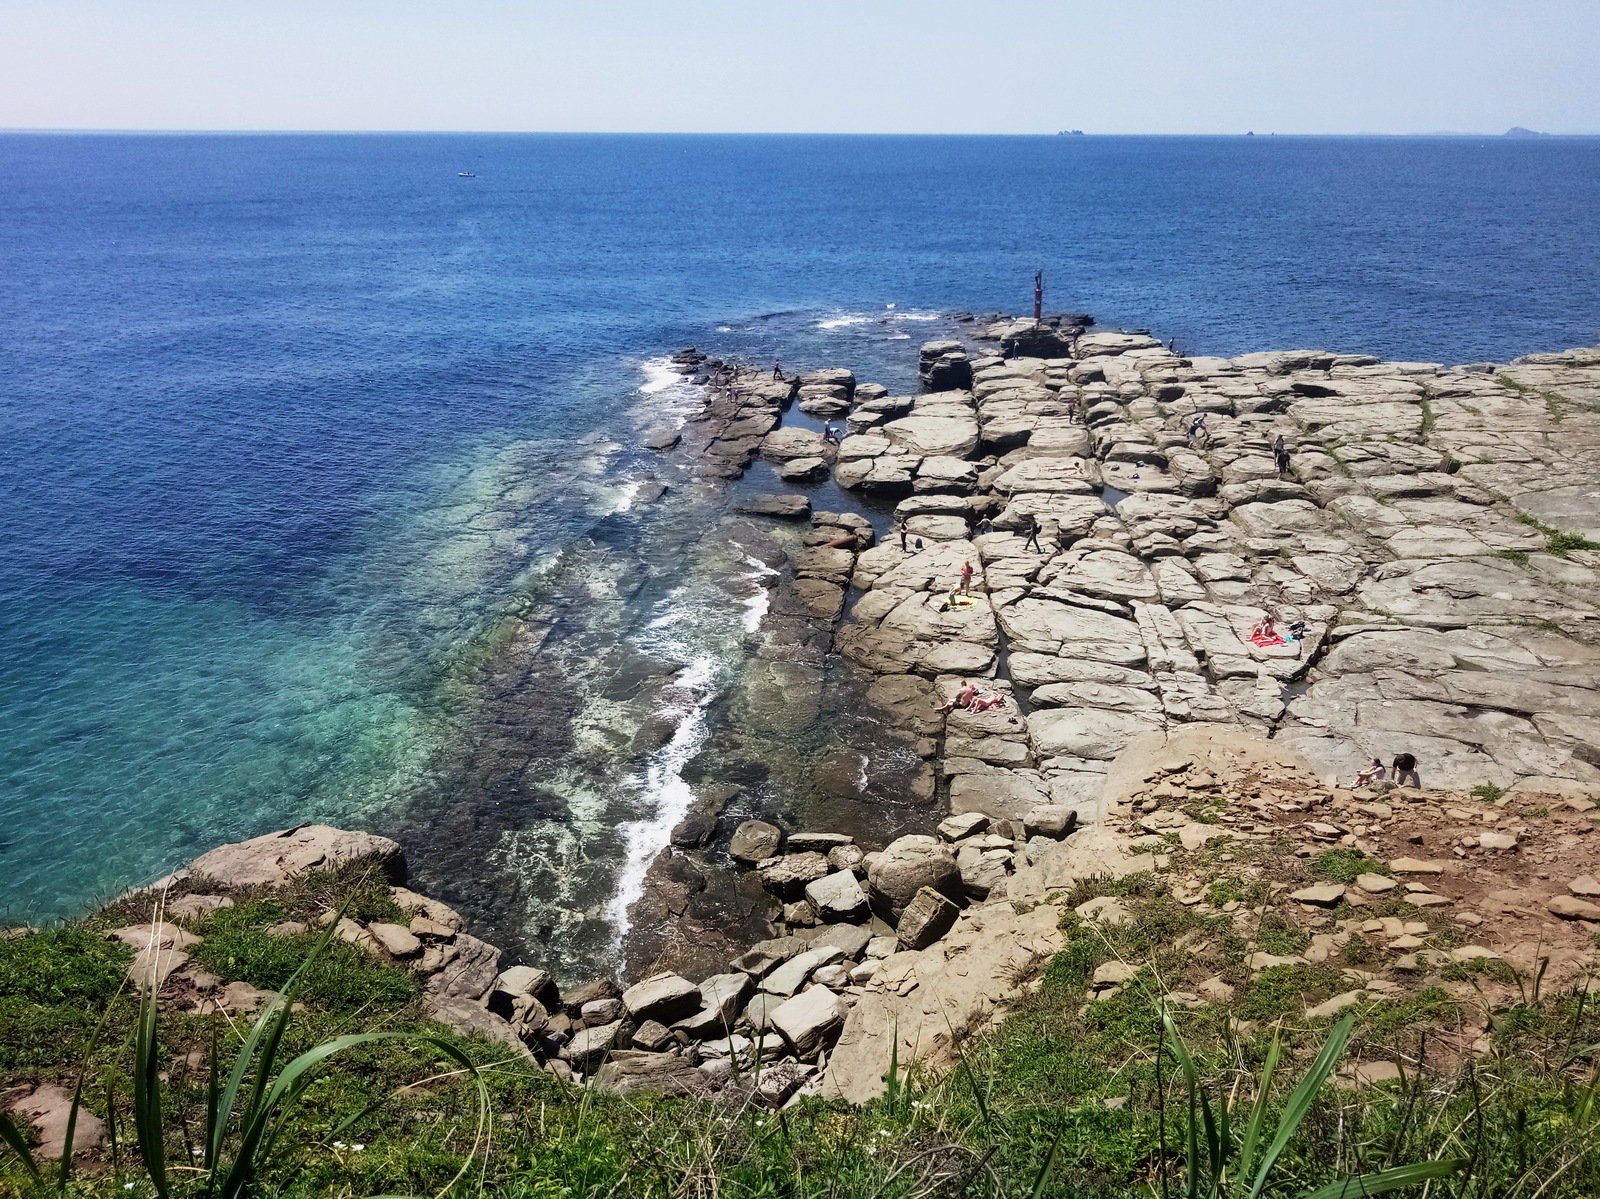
{"points": [[1426, 533]]}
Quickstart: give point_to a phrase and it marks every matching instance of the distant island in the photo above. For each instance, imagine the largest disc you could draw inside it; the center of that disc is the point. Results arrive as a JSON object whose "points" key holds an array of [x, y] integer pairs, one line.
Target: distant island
{"points": [[1070, 133], [1519, 131]]}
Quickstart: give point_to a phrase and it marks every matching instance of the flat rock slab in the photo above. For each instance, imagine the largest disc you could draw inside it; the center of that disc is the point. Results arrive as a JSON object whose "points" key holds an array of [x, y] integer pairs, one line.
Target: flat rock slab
{"points": [[272, 860], [785, 507], [666, 998]]}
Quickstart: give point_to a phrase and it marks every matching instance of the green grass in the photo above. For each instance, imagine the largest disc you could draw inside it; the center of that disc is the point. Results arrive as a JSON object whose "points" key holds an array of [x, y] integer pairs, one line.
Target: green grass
{"points": [[53, 986], [1022, 1114], [1343, 864], [1555, 541]]}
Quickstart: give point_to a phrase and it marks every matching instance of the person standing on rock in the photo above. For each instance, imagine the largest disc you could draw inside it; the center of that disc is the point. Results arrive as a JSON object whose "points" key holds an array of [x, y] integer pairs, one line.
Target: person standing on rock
{"points": [[777, 370], [966, 577], [1281, 453], [900, 527], [1033, 535], [1405, 767], [983, 526], [1197, 428], [1072, 409]]}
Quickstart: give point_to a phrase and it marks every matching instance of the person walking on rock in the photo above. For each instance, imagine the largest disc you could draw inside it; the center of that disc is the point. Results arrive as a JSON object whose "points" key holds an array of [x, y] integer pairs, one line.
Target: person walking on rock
{"points": [[777, 370], [1405, 767], [1033, 535], [1280, 452]]}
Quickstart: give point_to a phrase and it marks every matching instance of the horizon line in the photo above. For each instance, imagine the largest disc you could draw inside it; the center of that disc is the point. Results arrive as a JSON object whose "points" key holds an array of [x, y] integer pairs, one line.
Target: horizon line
{"points": [[108, 130]]}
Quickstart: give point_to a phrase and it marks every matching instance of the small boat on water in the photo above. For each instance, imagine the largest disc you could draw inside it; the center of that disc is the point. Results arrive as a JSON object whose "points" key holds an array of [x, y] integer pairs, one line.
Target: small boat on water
{"points": [[465, 175]]}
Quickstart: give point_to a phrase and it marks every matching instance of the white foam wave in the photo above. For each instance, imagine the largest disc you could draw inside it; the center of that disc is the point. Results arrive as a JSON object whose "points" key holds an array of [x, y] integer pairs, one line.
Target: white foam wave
{"points": [[665, 792], [888, 315], [658, 375], [626, 494], [755, 608]]}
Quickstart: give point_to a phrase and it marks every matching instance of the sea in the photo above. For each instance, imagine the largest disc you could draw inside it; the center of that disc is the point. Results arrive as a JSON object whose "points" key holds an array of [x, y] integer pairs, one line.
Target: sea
{"points": [[321, 465]]}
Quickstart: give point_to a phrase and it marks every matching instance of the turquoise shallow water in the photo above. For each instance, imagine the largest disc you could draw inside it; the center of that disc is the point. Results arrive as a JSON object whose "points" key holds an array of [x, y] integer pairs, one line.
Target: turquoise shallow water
{"points": [[289, 422]]}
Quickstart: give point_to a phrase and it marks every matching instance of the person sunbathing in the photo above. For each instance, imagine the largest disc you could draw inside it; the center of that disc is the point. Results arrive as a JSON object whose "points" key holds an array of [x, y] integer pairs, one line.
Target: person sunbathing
{"points": [[987, 701], [1266, 632]]}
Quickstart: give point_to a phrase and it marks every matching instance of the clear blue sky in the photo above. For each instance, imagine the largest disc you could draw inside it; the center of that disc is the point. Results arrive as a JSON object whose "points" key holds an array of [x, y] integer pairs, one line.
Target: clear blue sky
{"points": [[862, 66]]}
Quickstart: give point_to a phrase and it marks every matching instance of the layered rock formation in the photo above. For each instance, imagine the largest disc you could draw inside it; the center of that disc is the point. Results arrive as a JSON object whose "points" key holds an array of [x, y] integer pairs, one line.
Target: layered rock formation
{"points": [[1419, 542]]}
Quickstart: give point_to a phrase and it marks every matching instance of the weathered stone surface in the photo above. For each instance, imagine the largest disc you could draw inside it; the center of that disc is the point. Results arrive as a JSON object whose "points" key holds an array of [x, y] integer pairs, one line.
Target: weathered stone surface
{"points": [[949, 436], [755, 840], [792, 975], [809, 1020], [789, 876], [630, 1073], [785, 507], [926, 918], [665, 997], [470, 1018], [1569, 907], [838, 897], [1092, 733], [998, 794], [470, 972], [159, 949], [1050, 820], [50, 1110], [395, 939], [589, 1045], [905, 867], [994, 949], [721, 998], [275, 858]]}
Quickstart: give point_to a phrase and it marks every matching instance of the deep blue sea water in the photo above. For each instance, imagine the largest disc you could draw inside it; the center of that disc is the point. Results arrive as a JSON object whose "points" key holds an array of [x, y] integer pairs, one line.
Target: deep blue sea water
{"points": [[286, 420]]}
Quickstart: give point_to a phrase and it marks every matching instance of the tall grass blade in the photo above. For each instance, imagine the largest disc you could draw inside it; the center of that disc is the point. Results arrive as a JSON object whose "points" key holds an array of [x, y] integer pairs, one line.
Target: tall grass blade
{"points": [[1201, 1118], [1301, 1099], [12, 1136], [269, 1025], [1388, 1180], [1046, 1166], [292, 1082], [147, 1123], [1258, 1110], [70, 1135]]}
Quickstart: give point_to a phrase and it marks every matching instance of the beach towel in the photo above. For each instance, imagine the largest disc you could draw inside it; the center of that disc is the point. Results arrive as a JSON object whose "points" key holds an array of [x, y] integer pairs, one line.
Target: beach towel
{"points": [[1266, 639]]}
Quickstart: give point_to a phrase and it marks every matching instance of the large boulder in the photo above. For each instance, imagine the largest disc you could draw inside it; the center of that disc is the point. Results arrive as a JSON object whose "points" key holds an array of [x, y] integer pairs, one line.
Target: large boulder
{"points": [[721, 997], [809, 1021], [274, 859], [755, 840], [906, 866], [629, 1072], [927, 917], [664, 997], [837, 897]]}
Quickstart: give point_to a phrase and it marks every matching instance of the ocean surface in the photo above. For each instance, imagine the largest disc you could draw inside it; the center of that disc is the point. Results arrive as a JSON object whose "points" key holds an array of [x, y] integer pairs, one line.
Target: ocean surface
{"points": [[298, 434]]}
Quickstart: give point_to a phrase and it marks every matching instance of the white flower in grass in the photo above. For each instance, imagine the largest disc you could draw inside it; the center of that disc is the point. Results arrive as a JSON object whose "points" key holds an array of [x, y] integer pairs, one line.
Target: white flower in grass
{"points": [[358, 1148], [338, 1144]]}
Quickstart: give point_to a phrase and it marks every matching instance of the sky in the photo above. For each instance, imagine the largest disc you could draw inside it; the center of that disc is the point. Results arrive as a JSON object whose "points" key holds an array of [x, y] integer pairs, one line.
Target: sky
{"points": [[806, 66]]}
